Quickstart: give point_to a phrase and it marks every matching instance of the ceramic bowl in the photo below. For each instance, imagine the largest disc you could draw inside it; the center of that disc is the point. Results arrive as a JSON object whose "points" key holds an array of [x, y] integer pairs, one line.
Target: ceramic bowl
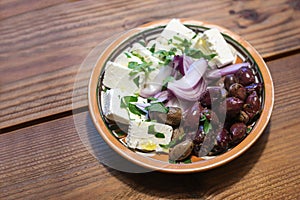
{"points": [[158, 161]]}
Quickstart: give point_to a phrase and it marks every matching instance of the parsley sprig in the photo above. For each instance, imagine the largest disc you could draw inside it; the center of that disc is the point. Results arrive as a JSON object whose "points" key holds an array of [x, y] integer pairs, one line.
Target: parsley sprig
{"points": [[151, 130], [136, 67], [186, 48]]}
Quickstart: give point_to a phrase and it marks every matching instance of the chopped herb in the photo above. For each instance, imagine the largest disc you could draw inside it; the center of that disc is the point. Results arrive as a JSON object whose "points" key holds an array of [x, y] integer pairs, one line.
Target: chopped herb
{"points": [[166, 56], [151, 130], [142, 67], [249, 128], [126, 100], [138, 55], [202, 118], [207, 126], [135, 110], [152, 49], [151, 99], [157, 107], [195, 36], [127, 54], [187, 161], [137, 81], [165, 146], [170, 41], [128, 103], [159, 135], [186, 47]]}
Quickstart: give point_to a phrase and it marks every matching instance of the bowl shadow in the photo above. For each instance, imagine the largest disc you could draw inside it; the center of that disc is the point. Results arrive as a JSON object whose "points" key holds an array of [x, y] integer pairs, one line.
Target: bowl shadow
{"points": [[177, 186]]}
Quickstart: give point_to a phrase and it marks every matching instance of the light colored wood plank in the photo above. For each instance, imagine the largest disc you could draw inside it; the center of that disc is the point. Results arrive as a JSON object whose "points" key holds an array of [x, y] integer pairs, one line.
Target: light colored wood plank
{"points": [[41, 50], [48, 161]]}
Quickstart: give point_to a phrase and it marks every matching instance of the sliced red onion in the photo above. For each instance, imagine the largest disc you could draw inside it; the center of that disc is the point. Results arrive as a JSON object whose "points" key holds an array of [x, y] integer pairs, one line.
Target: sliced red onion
{"points": [[155, 86], [163, 96], [192, 77], [189, 95], [231, 69], [181, 64]]}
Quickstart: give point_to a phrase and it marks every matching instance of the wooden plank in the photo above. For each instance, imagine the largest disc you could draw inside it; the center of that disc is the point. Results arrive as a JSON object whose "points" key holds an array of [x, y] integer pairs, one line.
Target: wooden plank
{"points": [[10, 8], [48, 161], [41, 50]]}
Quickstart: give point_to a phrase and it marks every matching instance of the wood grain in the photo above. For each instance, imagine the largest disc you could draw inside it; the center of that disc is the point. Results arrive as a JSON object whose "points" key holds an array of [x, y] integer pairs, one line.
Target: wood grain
{"points": [[48, 161], [44, 43]]}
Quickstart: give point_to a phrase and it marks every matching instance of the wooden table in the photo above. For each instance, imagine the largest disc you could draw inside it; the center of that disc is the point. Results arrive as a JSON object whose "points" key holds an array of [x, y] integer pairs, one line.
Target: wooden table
{"points": [[42, 45]]}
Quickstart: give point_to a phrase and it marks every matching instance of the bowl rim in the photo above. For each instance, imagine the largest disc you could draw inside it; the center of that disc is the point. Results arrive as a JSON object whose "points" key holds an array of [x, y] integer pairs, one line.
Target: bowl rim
{"points": [[158, 165]]}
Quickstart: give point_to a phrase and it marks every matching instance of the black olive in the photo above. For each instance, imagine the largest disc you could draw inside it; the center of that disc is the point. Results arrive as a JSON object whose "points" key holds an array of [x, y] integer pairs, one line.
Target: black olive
{"points": [[254, 87], [229, 80], [233, 106], [238, 131], [223, 138], [245, 76], [237, 90], [252, 105], [210, 96]]}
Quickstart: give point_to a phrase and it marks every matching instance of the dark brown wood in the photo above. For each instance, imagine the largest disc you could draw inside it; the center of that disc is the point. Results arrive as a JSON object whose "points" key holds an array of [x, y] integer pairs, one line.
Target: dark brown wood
{"points": [[43, 43], [48, 161]]}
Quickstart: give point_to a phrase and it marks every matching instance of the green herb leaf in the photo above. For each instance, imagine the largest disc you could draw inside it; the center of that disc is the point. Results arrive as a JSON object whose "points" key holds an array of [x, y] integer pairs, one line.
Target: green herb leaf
{"points": [[151, 99], [165, 146], [157, 107], [159, 135], [127, 55], [207, 126], [187, 161], [249, 128], [202, 118], [135, 110], [151, 130], [137, 81], [152, 49], [126, 100]]}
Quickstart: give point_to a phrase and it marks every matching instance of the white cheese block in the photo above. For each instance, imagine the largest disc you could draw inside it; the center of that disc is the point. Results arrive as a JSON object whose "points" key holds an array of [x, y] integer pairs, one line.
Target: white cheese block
{"points": [[146, 54], [176, 28], [111, 106], [139, 138], [111, 101], [212, 41], [117, 76], [126, 57]]}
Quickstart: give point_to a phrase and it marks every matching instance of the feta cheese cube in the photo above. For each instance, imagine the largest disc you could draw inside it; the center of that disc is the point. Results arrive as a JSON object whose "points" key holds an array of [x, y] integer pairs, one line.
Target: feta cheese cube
{"points": [[176, 28], [111, 106], [139, 138], [117, 76], [212, 41]]}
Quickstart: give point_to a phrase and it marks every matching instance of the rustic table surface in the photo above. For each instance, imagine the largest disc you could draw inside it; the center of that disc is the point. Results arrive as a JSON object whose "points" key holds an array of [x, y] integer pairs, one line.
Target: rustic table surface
{"points": [[43, 44]]}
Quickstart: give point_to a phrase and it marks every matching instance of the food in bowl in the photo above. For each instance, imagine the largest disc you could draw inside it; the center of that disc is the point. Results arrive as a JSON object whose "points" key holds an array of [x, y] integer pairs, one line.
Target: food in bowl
{"points": [[186, 94]]}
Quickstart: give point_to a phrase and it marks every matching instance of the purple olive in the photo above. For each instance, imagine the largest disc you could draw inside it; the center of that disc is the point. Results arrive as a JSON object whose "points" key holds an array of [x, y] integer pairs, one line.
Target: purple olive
{"points": [[238, 131], [245, 76], [210, 95], [233, 106], [252, 105], [229, 80], [254, 87], [223, 138], [237, 90]]}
